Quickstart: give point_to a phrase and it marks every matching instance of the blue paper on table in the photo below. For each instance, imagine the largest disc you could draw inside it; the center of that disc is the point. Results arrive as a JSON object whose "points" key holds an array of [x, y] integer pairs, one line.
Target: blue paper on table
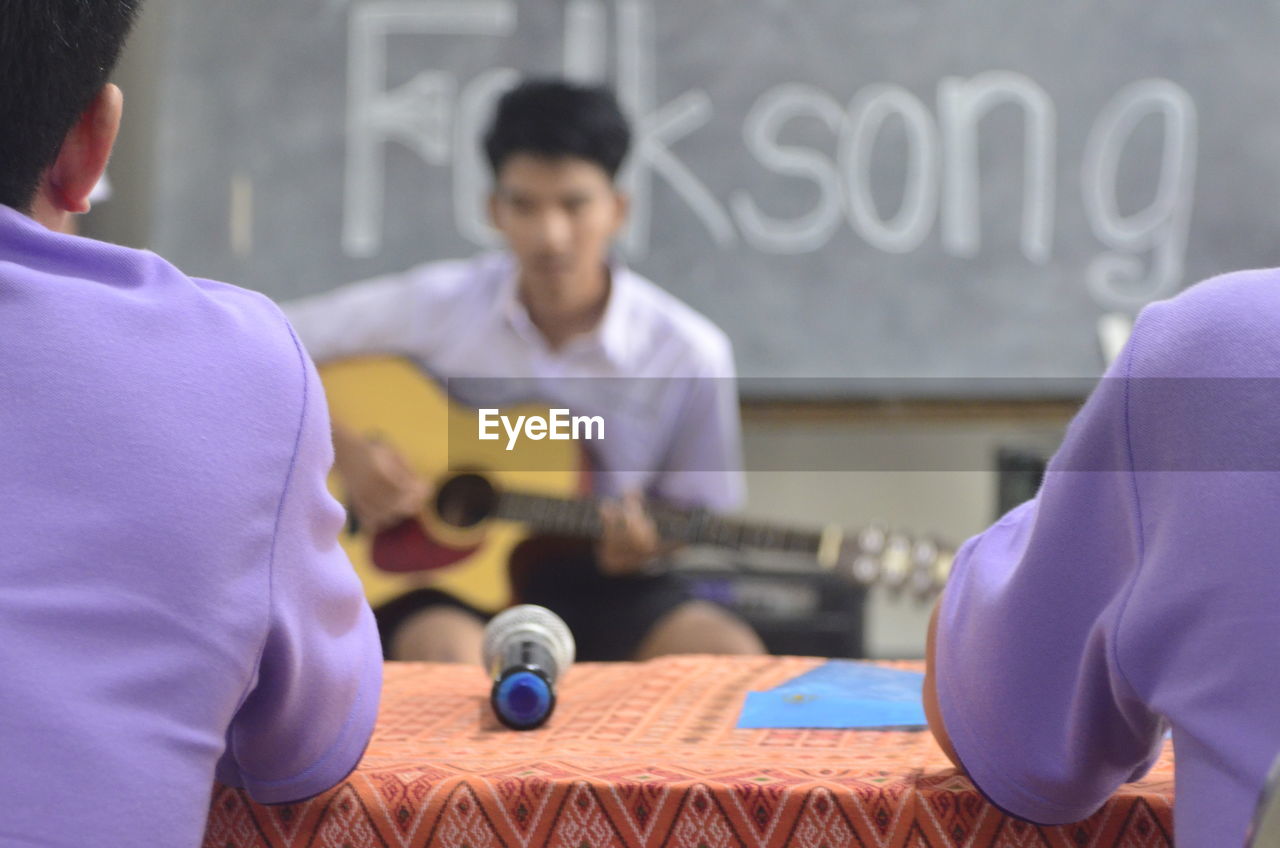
{"points": [[839, 694]]}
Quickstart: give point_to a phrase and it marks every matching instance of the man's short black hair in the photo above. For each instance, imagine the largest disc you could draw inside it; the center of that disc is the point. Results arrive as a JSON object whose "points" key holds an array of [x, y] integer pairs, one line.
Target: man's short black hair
{"points": [[558, 119], [55, 55]]}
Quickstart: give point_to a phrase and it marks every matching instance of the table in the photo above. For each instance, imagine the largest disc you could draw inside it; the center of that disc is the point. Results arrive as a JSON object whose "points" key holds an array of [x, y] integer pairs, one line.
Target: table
{"points": [[647, 755]]}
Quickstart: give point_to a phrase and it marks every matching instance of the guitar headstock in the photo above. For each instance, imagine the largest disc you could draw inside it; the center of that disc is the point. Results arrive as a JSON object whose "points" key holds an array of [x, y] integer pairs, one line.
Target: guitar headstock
{"points": [[900, 562]]}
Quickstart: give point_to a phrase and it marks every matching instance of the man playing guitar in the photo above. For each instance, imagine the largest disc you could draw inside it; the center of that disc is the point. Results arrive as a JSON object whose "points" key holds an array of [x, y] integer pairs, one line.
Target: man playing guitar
{"points": [[555, 317]]}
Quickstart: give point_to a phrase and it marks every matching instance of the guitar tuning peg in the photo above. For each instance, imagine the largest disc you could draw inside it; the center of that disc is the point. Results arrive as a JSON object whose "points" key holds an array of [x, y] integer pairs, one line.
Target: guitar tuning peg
{"points": [[924, 553], [871, 540], [942, 568], [921, 583], [896, 561], [865, 569]]}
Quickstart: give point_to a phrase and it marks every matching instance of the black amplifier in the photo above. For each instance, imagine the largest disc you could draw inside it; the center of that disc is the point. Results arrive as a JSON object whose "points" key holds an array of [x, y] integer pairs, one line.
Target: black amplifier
{"points": [[806, 613]]}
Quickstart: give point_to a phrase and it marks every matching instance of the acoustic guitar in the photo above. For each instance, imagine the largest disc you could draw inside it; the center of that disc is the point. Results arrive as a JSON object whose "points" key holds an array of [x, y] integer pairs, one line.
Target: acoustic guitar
{"points": [[488, 499]]}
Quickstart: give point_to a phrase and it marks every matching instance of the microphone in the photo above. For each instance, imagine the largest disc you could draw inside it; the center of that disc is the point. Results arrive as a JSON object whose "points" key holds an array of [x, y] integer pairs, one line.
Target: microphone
{"points": [[526, 649]]}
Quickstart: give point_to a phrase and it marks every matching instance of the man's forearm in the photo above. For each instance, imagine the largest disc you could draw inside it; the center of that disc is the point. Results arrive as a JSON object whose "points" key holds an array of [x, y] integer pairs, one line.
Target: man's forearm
{"points": [[931, 708], [348, 446]]}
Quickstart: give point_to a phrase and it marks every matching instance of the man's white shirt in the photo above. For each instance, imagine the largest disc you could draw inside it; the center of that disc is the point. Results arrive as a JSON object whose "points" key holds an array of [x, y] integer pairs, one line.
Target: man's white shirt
{"points": [[660, 374]]}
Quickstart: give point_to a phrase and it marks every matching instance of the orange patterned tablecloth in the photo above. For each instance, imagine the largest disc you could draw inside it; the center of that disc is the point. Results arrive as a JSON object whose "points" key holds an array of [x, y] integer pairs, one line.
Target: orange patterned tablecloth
{"points": [[648, 755]]}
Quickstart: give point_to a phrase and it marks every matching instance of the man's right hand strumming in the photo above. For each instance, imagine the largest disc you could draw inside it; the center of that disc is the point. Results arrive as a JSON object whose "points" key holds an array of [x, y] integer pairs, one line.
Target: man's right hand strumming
{"points": [[382, 490]]}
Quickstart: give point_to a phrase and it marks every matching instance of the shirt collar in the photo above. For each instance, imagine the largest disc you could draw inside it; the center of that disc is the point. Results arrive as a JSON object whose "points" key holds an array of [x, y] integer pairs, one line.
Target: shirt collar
{"points": [[609, 336]]}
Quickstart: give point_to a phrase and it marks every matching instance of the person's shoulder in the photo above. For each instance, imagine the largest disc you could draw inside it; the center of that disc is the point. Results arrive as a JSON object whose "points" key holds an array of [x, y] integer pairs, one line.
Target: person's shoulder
{"points": [[142, 287], [251, 331], [1228, 325], [244, 314], [451, 280], [664, 319], [1237, 291]]}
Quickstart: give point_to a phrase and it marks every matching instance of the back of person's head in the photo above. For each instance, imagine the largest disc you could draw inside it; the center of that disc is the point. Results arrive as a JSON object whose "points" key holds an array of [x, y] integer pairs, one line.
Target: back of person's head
{"points": [[55, 56], [555, 119]]}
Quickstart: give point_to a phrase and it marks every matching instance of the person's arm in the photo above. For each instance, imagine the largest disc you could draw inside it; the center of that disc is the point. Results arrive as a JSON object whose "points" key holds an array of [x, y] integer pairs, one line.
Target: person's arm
{"points": [[702, 468], [703, 465], [931, 711], [1024, 689], [629, 541], [310, 710], [383, 315], [381, 489]]}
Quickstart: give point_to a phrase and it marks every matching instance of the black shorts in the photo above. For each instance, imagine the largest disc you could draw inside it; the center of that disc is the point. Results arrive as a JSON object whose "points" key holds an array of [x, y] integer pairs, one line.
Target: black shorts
{"points": [[609, 616]]}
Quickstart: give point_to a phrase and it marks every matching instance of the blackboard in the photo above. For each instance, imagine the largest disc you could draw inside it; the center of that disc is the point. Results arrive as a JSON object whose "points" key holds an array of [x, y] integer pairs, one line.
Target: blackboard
{"points": [[937, 197]]}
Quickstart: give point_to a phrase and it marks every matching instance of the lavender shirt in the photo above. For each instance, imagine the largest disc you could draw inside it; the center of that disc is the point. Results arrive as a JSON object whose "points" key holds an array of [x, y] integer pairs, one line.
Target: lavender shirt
{"points": [[172, 598], [1141, 588]]}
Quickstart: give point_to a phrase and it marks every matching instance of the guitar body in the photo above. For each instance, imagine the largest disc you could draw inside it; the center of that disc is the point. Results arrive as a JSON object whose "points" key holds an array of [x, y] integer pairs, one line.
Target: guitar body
{"points": [[392, 399]]}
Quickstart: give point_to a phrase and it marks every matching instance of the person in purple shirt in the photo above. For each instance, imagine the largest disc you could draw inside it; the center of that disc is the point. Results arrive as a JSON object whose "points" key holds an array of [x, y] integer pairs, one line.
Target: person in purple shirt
{"points": [[1139, 590], [173, 601]]}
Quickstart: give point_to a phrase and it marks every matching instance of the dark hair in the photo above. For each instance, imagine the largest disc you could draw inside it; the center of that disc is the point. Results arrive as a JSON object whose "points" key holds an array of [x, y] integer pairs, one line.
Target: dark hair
{"points": [[55, 56], [556, 119]]}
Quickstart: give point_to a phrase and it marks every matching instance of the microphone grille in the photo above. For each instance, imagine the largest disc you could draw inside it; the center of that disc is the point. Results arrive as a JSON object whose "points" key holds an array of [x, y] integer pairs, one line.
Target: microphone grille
{"points": [[537, 622]]}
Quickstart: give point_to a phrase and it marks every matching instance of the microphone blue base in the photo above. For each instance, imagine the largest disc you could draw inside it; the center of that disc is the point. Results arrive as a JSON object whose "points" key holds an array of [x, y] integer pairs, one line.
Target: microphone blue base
{"points": [[522, 697]]}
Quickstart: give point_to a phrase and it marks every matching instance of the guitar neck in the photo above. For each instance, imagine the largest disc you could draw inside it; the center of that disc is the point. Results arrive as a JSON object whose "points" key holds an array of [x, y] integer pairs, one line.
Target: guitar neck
{"points": [[581, 517]]}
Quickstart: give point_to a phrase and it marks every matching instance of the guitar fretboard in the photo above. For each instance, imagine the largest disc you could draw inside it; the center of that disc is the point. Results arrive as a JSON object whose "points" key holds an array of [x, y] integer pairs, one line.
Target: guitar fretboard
{"points": [[581, 517]]}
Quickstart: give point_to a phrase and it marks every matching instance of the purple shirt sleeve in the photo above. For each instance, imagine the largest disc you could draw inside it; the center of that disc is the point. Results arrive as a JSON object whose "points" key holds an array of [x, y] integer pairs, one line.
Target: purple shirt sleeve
{"points": [[307, 717], [1030, 689]]}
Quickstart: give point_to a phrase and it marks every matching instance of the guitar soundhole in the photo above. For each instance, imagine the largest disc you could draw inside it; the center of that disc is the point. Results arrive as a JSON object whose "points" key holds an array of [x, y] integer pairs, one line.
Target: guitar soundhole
{"points": [[465, 500]]}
